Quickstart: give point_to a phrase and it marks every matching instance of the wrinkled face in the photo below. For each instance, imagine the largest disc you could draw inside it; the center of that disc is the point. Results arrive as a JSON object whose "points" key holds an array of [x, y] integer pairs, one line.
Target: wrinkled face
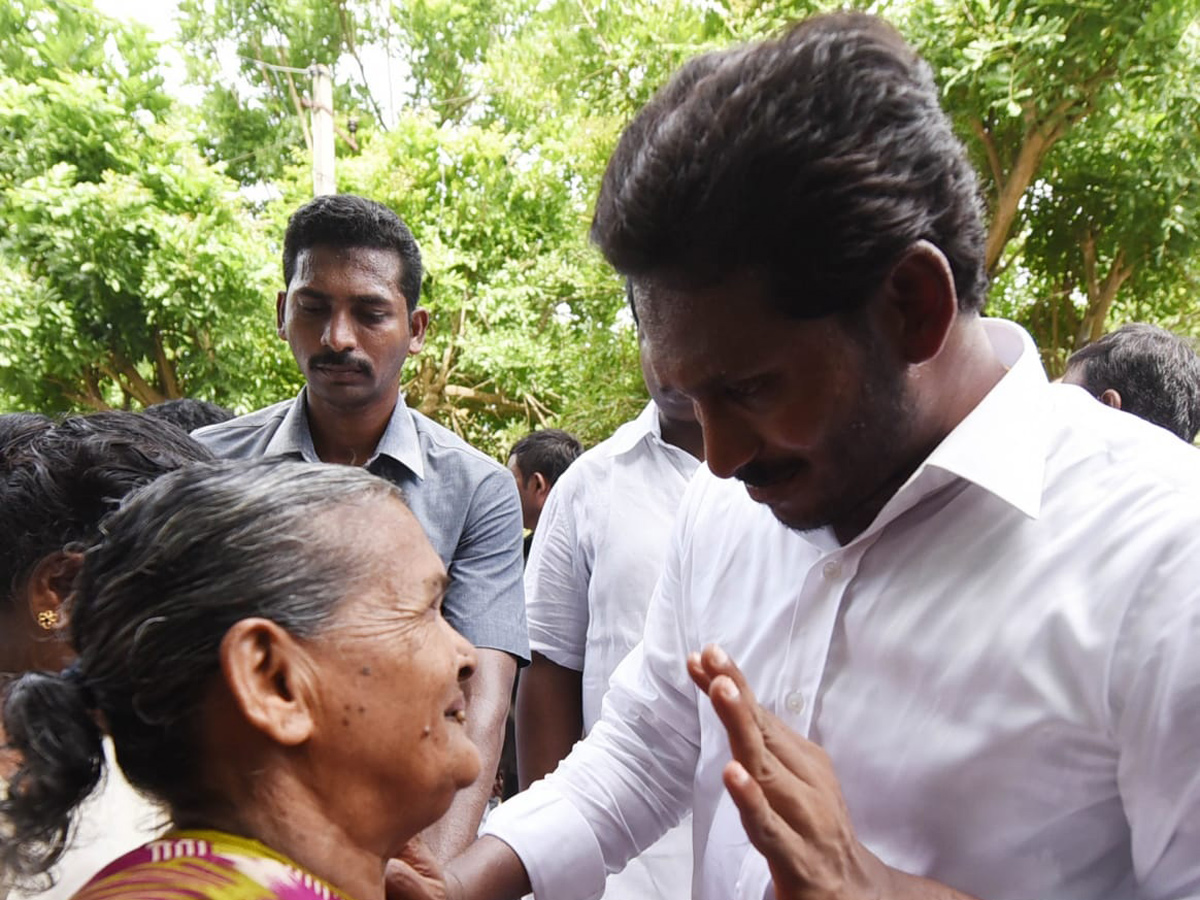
{"points": [[811, 415], [348, 325], [392, 748]]}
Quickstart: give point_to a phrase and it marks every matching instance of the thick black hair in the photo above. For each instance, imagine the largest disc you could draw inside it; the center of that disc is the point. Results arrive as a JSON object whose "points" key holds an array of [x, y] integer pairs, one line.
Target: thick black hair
{"points": [[814, 161], [548, 451], [19, 426], [189, 413], [1156, 373], [346, 221], [58, 482]]}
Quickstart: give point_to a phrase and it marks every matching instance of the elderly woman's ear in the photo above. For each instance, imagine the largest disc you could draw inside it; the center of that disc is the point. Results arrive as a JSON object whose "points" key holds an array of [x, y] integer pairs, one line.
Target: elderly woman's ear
{"points": [[271, 679]]}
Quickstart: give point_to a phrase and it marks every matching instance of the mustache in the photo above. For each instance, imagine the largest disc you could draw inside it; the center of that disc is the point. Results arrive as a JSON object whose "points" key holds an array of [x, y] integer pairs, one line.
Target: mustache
{"points": [[760, 474], [343, 360]]}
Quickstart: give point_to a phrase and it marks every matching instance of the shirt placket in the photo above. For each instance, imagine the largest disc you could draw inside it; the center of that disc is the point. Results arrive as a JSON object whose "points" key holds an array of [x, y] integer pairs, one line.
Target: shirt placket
{"points": [[814, 618]]}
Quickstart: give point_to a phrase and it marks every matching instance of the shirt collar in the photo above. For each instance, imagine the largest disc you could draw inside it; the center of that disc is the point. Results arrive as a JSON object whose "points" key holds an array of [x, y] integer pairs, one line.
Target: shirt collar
{"points": [[399, 440], [1001, 444], [635, 431]]}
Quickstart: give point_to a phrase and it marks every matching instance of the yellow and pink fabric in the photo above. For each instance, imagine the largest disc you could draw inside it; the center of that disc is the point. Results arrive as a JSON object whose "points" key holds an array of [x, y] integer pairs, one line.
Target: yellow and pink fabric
{"points": [[205, 865]]}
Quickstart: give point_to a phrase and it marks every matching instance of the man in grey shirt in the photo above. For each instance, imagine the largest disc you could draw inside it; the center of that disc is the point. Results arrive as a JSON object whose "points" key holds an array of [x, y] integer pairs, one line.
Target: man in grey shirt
{"points": [[352, 276]]}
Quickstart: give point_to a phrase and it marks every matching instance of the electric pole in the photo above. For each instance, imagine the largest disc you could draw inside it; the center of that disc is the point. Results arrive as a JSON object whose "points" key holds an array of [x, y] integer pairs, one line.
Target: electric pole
{"points": [[324, 181]]}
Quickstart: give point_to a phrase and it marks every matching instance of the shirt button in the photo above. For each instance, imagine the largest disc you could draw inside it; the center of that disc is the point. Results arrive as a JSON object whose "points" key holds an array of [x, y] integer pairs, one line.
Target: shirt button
{"points": [[794, 702], [831, 570]]}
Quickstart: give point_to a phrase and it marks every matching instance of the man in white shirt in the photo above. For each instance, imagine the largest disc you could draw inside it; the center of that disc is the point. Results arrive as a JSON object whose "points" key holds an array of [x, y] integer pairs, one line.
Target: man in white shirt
{"points": [[967, 599], [596, 557]]}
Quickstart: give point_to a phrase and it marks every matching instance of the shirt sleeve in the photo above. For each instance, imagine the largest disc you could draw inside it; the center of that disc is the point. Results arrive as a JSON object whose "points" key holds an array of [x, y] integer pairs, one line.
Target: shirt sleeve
{"points": [[1155, 699], [557, 575], [630, 780], [486, 601]]}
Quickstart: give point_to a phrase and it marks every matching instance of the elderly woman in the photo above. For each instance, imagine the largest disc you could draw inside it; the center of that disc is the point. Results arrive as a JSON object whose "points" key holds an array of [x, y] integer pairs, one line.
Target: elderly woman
{"points": [[264, 643]]}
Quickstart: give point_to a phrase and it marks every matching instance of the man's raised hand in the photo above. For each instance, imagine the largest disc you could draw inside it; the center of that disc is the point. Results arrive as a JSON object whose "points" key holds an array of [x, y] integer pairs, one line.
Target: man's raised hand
{"points": [[788, 796]]}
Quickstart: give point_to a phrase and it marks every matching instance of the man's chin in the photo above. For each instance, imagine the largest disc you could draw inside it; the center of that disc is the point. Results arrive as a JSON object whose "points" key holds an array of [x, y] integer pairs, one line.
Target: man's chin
{"points": [[787, 510], [799, 522], [344, 397]]}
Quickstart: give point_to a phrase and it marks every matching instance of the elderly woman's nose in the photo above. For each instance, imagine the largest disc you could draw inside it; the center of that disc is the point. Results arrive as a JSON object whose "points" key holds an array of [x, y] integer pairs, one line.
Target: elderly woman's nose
{"points": [[467, 661]]}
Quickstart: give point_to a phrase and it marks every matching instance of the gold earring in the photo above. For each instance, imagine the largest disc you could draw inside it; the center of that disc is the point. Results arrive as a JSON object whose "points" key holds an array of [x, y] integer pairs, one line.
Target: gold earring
{"points": [[48, 619]]}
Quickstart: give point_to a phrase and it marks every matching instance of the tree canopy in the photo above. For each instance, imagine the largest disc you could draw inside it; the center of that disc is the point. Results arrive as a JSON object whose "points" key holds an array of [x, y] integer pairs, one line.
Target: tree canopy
{"points": [[139, 258]]}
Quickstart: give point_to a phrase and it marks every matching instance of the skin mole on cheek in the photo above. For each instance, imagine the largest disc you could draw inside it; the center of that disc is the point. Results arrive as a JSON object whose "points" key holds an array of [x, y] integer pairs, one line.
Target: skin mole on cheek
{"points": [[345, 722], [365, 670]]}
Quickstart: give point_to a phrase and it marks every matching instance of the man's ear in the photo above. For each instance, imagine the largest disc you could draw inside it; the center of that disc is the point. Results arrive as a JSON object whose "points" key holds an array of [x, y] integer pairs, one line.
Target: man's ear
{"points": [[49, 586], [1111, 397], [271, 680], [280, 313], [921, 292], [541, 486], [418, 322]]}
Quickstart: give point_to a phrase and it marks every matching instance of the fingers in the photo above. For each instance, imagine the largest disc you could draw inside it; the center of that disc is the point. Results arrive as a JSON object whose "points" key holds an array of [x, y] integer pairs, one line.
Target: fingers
{"points": [[404, 882], [765, 828], [776, 839], [793, 752], [415, 875], [713, 661], [786, 768], [696, 670], [741, 724]]}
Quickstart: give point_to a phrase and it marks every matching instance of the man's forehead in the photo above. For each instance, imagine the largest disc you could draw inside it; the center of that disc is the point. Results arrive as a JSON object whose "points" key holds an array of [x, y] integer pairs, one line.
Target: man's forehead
{"points": [[663, 298], [382, 263]]}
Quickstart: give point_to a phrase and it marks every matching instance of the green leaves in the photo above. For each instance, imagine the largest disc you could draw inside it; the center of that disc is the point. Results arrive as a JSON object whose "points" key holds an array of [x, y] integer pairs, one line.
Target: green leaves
{"points": [[132, 269], [133, 265]]}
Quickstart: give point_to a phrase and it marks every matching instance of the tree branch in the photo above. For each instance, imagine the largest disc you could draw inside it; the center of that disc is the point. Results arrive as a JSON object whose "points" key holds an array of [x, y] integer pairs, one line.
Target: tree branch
{"points": [[499, 402], [608, 51], [166, 370], [348, 38], [1101, 294], [989, 149], [127, 377]]}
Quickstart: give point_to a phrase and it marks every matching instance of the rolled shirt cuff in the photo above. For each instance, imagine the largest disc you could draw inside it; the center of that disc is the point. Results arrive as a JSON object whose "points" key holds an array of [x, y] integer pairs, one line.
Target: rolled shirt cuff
{"points": [[554, 842]]}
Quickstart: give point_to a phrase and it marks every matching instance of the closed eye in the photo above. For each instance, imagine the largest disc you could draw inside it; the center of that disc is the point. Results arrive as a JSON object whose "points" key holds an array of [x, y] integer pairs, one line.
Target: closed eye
{"points": [[748, 388]]}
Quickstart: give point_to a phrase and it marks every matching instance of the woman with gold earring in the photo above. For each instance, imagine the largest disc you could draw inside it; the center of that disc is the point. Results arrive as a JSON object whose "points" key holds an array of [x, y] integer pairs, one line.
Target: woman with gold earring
{"points": [[57, 480]]}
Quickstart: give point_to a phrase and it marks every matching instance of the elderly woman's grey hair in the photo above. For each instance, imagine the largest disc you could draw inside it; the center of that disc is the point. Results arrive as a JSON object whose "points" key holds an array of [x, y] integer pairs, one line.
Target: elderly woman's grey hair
{"points": [[178, 563]]}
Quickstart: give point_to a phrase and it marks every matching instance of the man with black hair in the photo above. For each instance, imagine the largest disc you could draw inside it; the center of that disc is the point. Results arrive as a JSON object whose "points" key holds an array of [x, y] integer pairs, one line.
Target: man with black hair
{"points": [[926, 626], [349, 310], [1144, 370], [536, 462]]}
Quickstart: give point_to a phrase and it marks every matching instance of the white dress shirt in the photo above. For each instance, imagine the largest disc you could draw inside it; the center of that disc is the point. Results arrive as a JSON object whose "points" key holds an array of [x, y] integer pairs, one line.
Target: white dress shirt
{"points": [[596, 557], [1003, 668]]}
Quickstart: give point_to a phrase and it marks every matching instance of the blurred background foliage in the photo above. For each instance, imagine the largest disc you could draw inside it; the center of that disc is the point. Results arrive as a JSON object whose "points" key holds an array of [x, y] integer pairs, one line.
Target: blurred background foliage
{"points": [[143, 214]]}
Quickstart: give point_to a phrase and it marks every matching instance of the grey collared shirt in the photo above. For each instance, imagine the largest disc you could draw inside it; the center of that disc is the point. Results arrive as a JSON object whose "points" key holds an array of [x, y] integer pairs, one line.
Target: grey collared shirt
{"points": [[466, 502]]}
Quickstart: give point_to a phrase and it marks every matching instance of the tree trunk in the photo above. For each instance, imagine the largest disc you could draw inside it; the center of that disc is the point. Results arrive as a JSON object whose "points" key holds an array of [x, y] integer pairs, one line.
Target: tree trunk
{"points": [[1100, 292], [167, 381], [130, 380], [1039, 137]]}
